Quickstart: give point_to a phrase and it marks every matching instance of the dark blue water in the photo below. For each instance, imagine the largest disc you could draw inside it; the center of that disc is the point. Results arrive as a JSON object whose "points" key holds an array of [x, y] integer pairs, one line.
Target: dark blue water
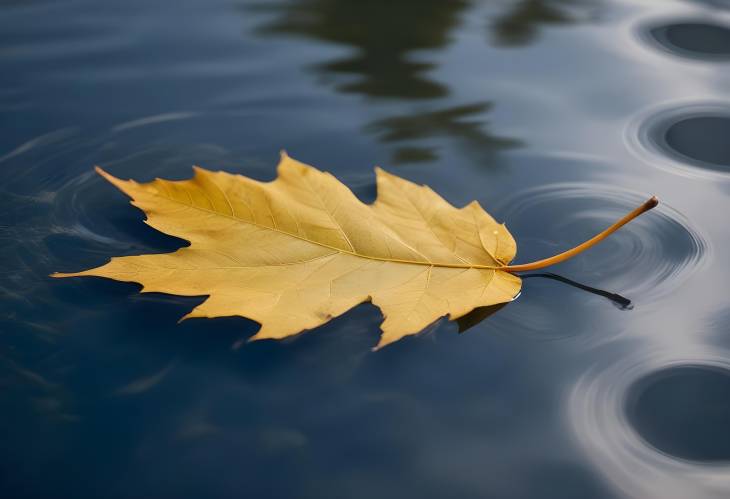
{"points": [[557, 116]]}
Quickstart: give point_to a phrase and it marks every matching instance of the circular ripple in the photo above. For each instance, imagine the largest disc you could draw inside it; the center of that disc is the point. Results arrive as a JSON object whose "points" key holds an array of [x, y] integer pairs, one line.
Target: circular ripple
{"points": [[697, 40], [684, 411], [702, 138], [643, 261], [82, 220], [692, 138], [625, 417]]}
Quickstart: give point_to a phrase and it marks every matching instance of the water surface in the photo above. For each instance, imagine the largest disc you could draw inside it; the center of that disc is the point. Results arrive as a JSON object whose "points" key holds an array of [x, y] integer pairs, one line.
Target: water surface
{"points": [[557, 116]]}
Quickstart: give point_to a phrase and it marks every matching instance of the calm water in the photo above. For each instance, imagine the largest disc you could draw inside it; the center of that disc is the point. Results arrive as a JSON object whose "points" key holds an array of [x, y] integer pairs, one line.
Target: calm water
{"points": [[558, 116]]}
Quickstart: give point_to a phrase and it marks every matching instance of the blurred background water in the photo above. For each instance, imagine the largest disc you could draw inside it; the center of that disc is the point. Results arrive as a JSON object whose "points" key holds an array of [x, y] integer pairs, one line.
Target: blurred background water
{"points": [[557, 116]]}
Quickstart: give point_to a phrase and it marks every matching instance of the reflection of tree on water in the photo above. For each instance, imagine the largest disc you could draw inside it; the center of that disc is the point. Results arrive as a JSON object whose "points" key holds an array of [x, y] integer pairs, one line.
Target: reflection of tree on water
{"points": [[460, 122], [388, 39], [387, 36], [384, 34], [520, 24]]}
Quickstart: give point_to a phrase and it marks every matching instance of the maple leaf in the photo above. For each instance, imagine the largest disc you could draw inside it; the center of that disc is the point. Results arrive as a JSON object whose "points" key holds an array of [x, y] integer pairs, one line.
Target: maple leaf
{"points": [[294, 253]]}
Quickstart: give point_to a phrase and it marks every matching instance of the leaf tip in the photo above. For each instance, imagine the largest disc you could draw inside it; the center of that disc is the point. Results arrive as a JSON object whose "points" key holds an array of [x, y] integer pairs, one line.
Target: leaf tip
{"points": [[61, 275], [383, 342], [248, 341], [384, 176], [111, 178], [108, 176]]}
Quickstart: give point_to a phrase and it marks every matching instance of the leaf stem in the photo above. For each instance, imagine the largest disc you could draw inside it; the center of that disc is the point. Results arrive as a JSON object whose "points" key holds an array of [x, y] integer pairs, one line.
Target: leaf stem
{"points": [[648, 205]]}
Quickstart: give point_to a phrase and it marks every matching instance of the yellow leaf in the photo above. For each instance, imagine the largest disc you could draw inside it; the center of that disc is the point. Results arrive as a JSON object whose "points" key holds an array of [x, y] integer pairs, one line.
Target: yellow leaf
{"points": [[293, 253]]}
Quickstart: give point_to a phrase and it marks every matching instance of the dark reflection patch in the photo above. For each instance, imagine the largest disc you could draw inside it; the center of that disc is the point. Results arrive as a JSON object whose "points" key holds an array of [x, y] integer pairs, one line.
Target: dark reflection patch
{"points": [[684, 411], [703, 138], [693, 39], [694, 135], [521, 22]]}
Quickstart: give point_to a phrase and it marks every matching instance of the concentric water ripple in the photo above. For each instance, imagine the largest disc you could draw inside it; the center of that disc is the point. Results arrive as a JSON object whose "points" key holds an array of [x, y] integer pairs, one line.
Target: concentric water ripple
{"points": [[602, 410], [692, 39], [74, 219], [643, 261], [691, 138], [684, 411]]}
